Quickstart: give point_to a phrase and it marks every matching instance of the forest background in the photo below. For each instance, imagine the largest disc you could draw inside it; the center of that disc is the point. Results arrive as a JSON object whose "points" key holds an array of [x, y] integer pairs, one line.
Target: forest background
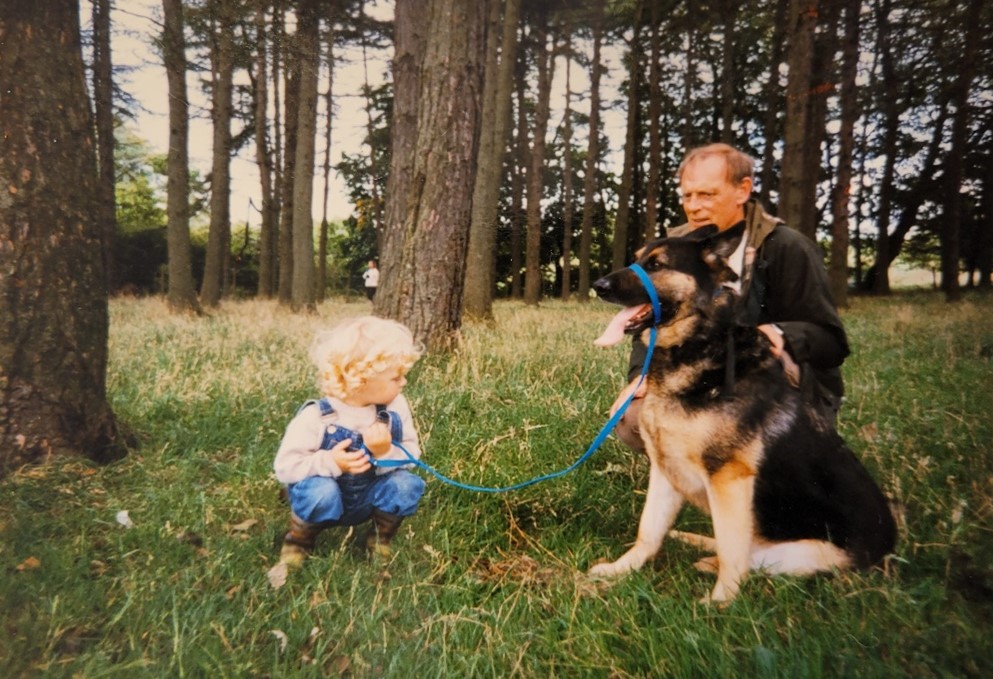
{"points": [[871, 122], [668, 77]]}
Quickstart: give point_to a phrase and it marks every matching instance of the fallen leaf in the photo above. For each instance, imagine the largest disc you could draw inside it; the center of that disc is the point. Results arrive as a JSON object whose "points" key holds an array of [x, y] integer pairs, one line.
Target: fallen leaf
{"points": [[29, 564], [283, 639], [340, 665], [123, 519], [611, 468], [317, 598], [869, 432], [244, 525]]}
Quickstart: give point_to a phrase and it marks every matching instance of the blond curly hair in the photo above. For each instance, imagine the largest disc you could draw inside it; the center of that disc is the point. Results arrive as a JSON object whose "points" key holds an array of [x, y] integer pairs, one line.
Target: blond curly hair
{"points": [[358, 348]]}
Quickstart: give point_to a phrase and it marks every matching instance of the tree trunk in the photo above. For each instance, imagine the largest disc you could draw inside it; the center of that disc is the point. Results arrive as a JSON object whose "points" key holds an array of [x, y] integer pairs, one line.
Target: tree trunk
{"points": [[861, 156], [103, 95], [622, 221], [291, 96], [263, 157], [689, 138], [182, 294], [838, 267], [891, 111], [518, 179], [592, 160], [424, 252], [772, 96], [532, 251], [53, 288], [984, 229], [654, 130], [822, 84], [727, 10], [219, 234], [568, 192], [409, 43], [376, 212], [322, 248], [309, 59], [951, 248], [481, 273], [478, 298], [794, 182]]}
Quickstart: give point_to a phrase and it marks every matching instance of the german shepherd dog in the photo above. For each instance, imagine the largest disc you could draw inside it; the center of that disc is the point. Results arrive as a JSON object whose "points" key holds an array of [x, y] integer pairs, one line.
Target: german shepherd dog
{"points": [[785, 493]]}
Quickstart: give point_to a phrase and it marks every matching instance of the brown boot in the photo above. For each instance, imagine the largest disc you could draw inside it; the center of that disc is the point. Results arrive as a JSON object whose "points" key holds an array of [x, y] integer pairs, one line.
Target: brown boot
{"points": [[384, 527], [298, 542]]}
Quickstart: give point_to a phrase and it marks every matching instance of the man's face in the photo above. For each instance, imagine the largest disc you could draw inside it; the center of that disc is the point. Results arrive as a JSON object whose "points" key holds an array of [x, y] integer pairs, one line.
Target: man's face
{"points": [[708, 197]]}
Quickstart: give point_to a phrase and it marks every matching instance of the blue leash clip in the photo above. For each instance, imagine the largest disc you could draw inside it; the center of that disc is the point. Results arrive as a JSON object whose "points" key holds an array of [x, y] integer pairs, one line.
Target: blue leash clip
{"points": [[594, 446]]}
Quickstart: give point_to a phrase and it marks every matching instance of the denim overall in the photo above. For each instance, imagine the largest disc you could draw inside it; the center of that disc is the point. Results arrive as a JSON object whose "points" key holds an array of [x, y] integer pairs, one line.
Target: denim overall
{"points": [[349, 499]]}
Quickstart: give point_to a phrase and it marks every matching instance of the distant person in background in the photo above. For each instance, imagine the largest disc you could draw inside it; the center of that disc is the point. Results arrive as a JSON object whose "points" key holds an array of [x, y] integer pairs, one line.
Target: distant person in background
{"points": [[371, 278]]}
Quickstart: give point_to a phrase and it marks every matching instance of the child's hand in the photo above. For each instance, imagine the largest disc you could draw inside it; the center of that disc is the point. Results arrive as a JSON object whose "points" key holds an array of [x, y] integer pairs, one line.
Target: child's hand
{"points": [[349, 462], [377, 439]]}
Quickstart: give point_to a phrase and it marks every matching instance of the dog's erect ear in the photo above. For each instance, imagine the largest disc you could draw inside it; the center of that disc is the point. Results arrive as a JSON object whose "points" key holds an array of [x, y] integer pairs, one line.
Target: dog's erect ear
{"points": [[702, 233], [724, 243], [719, 247]]}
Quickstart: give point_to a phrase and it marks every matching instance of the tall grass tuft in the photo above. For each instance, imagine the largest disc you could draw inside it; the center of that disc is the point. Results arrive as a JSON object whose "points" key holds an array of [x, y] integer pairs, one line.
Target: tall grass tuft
{"points": [[484, 585]]}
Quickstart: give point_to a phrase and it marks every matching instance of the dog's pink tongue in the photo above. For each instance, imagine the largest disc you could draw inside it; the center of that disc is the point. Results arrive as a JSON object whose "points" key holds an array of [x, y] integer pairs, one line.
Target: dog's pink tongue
{"points": [[614, 331]]}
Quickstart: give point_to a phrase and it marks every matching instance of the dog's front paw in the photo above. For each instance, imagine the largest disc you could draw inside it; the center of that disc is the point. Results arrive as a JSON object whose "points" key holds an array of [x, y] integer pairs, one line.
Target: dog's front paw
{"points": [[722, 595], [630, 561], [608, 569]]}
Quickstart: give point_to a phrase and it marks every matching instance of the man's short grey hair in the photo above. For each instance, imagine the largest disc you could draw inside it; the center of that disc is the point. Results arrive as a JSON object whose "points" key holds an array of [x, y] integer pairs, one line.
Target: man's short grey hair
{"points": [[740, 165]]}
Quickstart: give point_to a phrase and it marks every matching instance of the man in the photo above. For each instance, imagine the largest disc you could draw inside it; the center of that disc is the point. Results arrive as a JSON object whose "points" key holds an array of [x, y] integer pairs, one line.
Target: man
{"points": [[782, 282]]}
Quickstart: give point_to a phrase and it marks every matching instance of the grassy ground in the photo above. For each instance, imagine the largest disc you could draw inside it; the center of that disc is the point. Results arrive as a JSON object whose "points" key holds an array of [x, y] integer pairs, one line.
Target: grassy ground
{"points": [[484, 585]]}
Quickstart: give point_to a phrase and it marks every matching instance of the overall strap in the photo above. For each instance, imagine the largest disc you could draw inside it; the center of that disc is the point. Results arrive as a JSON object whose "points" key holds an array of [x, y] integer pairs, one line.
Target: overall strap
{"points": [[331, 437], [323, 404], [326, 408], [391, 418]]}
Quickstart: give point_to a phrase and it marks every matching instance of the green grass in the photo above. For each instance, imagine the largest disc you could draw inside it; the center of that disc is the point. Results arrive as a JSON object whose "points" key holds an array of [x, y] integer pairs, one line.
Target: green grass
{"points": [[484, 585]]}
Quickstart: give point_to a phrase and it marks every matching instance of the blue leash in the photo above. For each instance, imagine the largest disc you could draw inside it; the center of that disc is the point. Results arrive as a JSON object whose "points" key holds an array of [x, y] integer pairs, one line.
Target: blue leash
{"points": [[600, 438]]}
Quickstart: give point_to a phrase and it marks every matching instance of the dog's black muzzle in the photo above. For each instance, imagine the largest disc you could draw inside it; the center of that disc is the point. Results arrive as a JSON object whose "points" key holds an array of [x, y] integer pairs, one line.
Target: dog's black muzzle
{"points": [[621, 287]]}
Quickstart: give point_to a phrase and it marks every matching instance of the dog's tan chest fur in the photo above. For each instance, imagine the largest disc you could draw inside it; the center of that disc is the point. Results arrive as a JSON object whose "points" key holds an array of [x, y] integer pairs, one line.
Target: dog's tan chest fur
{"points": [[676, 441]]}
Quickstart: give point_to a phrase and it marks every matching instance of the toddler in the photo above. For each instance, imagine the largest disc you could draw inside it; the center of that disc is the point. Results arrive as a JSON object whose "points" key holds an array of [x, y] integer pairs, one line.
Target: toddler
{"points": [[324, 458]]}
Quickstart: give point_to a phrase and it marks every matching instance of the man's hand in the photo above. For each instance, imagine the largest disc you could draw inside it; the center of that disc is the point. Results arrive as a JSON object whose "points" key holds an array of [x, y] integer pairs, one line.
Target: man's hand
{"points": [[349, 462], [776, 338], [639, 391], [778, 342]]}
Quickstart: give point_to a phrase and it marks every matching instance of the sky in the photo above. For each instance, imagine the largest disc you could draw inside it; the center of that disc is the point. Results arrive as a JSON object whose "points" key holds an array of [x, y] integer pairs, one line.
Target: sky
{"points": [[137, 22]]}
